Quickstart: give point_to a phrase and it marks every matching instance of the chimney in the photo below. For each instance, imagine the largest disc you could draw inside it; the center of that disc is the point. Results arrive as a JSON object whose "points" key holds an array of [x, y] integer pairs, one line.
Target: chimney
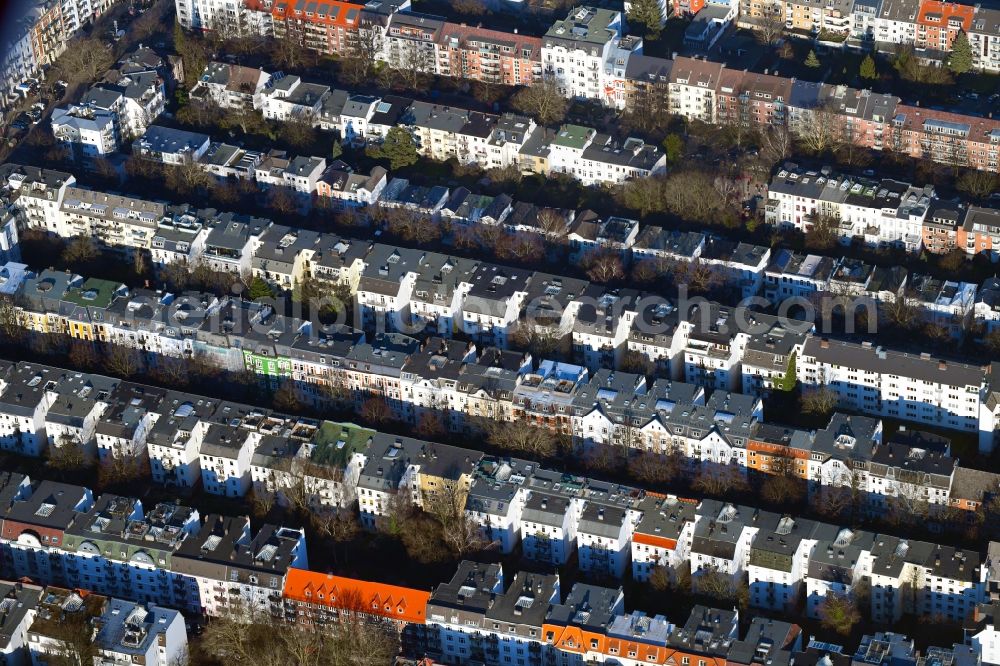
{"points": [[942, 365], [824, 344]]}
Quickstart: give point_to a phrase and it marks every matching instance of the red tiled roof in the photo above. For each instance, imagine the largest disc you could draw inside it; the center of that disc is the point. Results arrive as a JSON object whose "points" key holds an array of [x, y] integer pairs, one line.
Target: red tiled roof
{"points": [[402, 604]]}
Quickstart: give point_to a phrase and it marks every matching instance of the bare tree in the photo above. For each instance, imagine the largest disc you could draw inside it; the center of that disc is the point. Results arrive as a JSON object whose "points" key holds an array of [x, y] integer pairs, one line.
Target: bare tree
{"points": [[244, 633], [977, 184], [699, 277], [603, 265], [375, 410], [770, 25], [521, 436], [123, 361], [783, 486], [121, 468], [823, 231], [542, 101], [820, 130], [461, 533], [68, 454], [11, 329], [651, 468], [776, 143], [364, 48], [416, 62], [299, 132], [900, 311], [839, 613], [80, 250], [715, 585], [552, 222], [819, 401], [720, 480]]}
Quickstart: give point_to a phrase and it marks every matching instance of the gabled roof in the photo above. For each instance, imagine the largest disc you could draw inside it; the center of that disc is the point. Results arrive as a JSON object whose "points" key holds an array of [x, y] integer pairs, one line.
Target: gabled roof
{"points": [[401, 604]]}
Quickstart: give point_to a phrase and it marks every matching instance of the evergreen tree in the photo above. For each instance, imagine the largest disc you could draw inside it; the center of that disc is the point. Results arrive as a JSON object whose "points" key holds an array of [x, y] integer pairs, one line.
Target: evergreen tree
{"points": [[868, 70], [960, 60], [811, 60], [787, 383], [673, 148], [646, 13], [259, 289], [397, 147]]}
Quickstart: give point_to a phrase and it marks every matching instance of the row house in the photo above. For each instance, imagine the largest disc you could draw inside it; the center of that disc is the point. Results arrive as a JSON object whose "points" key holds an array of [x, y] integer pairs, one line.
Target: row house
{"points": [[329, 27], [721, 542], [170, 146], [442, 132], [489, 56], [34, 527], [315, 599], [694, 87], [618, 409], [237, 568], [874, 380], [880, 213], [602, 326], [350, 189], [752, 100], [411, 41], [838, 565], [36, 193], [794, 275], [228, 162], [553, 514], [575, 51], [117, 549], [230, 86], [464, 207], [986, 310], [545, 396], [918, 578], [57, 534], [979, 232], [768, 354], [588, 57], [291, 98], [496, 498], [946, 304], [982, 33], [779, 559], [121, 223], [122, 631], [938, 23], [896, 22], [944, 137], [23, 605], [663, 536], [281, 255]]}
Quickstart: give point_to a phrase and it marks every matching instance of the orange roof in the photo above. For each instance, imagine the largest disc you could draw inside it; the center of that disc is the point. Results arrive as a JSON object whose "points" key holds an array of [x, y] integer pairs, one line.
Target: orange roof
{"points": [[653, 540], [323, 12], [945, 11], [402, 604]]}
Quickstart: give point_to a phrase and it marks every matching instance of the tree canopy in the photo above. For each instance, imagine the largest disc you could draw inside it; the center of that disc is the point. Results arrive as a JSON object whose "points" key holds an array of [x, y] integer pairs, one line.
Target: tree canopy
{"points": [[960, 60], [646, 15], [397, 147], [868, 69]]}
